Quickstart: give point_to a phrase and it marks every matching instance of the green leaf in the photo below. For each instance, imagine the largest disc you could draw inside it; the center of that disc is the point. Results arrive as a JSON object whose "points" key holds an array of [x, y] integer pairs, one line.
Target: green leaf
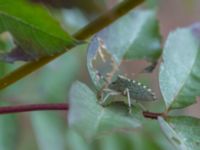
{"points": [[75, 141], [88, 118], [179, 73], [116, 141], [34, 30], [128, 141], [133, 36], [9, 130], [146, 41], [182, 131], [48, 130]]}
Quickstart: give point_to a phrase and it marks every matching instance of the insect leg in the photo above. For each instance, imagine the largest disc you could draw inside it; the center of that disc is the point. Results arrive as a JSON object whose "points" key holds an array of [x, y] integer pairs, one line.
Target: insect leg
{"points": [[104, 100], [129, 100]]}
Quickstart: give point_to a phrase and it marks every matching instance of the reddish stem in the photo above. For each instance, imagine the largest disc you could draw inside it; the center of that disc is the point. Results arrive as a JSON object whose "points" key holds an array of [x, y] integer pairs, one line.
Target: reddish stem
{"points": [[33, 107], [57, 106], [152, 115]]}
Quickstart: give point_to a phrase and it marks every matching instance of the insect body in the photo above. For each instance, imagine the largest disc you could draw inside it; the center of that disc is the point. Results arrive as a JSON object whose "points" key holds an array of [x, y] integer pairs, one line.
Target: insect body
{"points": [[133, 90]]}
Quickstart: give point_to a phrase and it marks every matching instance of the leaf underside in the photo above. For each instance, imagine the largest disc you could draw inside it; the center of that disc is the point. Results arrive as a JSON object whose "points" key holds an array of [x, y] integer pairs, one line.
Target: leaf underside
{"points": [[89, 118], [179, 73], [134, 36], [182, 131]]}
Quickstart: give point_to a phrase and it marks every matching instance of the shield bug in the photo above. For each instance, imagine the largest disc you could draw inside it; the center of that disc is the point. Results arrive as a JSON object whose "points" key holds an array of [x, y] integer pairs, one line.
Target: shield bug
{"points": [[133, 90]]}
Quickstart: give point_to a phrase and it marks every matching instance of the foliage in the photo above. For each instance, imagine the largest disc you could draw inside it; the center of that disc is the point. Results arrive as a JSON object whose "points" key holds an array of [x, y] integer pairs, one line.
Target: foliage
{"points": [[30, 27], [181, 46], [30, 33]]}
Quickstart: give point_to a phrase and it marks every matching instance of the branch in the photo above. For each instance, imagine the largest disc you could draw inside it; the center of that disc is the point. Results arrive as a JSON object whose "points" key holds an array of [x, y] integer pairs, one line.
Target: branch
{"points": [[33, 107], [93, 27], [58, 106], [153, 115]]}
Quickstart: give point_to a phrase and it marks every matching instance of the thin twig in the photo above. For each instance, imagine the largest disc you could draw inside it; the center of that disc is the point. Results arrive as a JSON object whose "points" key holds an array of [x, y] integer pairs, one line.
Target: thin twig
{"points": [[33, 107], [153, 115], [57, 106]]}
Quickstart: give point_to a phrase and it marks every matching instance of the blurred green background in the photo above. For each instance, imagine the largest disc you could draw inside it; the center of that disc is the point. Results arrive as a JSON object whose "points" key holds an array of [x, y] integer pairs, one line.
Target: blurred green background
{"points": [[51, 84]]}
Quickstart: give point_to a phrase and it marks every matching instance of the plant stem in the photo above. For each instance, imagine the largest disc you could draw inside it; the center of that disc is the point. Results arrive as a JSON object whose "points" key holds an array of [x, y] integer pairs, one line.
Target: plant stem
{"points": [[93, 27], [57, 106], [33, 107], [153, 115]]}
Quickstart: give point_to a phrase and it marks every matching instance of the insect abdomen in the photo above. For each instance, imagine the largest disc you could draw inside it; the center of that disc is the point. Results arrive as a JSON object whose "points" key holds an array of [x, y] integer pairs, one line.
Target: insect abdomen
{"points": [[140, 92], [137, 90]]}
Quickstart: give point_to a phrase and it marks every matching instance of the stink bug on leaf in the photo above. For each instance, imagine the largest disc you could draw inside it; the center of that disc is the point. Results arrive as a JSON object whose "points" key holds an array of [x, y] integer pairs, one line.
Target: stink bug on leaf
{"points": [[133, 90]]}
